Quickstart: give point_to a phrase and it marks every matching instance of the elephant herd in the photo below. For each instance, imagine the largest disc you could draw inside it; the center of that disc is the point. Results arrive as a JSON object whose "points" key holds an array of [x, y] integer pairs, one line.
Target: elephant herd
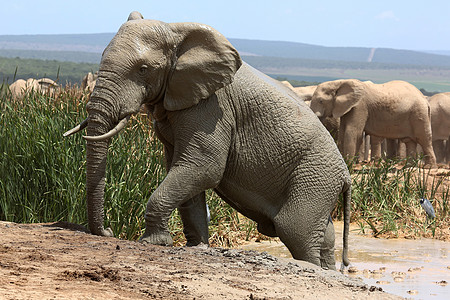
{"points": [[47, 86], [42, 85], [390, 120]]}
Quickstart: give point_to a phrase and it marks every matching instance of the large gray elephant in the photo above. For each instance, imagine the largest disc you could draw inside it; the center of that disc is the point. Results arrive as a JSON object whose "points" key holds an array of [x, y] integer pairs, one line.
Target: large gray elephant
{"points": [[394, 110], [225, 126]]}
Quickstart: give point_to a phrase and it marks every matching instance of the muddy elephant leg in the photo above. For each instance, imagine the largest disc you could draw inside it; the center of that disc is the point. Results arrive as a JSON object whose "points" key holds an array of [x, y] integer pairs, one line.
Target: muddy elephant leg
{"points": [[304, 238], [366, 147], [351, 141], [401, 149], [195, 220], [411, 151], [179, 188], [327, 259], [439, 150], [447, 147], [391, 148], [193, 212], [427, 146], [375, 144]]}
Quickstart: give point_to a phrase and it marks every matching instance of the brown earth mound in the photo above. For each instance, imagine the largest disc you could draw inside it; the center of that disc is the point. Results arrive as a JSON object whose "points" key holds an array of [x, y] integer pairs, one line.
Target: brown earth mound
{"points": [[61, 261]]}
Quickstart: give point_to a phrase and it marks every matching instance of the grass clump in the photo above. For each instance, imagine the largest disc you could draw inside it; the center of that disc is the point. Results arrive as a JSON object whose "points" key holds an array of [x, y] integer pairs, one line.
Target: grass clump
{"points": [[42, 178], [42, 174], [386, 194]]}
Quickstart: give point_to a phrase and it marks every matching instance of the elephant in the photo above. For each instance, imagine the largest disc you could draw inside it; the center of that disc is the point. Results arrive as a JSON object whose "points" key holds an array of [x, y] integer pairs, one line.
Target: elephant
{"points": [[305, 92], [43, 86], [394, 110], [225, 126], [287, 84], [88, 81], [440, 126], [17, 88]]}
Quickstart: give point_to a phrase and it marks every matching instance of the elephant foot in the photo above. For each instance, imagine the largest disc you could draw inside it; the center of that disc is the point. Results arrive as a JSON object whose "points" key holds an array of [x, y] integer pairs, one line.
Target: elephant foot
{"points": [[103, 232], [160, 238], [202, 246]]}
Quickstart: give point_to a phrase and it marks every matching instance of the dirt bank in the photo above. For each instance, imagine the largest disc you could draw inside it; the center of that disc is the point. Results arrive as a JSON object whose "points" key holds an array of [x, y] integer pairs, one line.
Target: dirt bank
{"points": [[56, 261]]}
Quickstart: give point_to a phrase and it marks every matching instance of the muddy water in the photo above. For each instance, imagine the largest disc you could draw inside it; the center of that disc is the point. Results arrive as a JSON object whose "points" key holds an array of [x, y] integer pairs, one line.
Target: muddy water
{"points": [[416, 269]]}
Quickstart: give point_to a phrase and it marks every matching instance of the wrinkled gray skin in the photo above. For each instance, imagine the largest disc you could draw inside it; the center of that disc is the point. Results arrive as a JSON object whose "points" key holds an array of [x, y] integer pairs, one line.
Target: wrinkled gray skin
{"points": [[224, 126]]}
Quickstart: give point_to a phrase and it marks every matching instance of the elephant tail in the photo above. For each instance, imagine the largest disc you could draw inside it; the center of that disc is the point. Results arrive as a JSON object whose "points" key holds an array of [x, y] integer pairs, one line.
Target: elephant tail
{"points": [[347, 207]]}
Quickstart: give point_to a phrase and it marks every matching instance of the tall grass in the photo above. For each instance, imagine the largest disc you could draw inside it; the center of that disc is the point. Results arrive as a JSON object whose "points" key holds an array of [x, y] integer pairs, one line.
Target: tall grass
{"points": [[42, 177], [386, 194], [42, 174]]}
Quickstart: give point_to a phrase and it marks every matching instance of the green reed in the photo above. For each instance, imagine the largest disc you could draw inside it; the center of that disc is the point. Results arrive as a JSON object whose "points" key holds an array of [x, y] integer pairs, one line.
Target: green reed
{"points": [[42, 174], [386, 193], [42, 177]]}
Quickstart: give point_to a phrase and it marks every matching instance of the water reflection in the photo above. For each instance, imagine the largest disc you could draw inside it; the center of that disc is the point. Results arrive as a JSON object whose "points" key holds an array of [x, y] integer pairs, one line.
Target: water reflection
{"points": [[416, 269]]}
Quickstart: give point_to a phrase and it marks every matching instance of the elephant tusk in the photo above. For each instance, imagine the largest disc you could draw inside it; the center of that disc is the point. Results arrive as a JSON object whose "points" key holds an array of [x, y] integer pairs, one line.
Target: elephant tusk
{"points": [[79, 127], [121, 125]]}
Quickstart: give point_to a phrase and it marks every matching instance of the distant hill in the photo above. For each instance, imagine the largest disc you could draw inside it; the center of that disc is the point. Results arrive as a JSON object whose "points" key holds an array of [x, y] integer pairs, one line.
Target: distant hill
{"points": [[287, 60], [356, 54], [57, 42], [95, 43]]}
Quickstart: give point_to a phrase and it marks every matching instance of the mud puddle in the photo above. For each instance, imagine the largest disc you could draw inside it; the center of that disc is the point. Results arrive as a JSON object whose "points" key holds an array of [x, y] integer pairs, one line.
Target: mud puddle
{"points": [[415, 269]]}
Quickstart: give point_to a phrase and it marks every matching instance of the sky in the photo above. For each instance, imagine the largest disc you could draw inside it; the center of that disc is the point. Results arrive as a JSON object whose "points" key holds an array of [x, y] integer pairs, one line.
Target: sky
{"points": [[398, 24]]}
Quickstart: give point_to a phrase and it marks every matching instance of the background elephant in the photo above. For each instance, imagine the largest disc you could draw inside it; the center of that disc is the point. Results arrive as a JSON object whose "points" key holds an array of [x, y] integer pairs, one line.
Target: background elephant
{"points": [[224, 126], [88, 81], [395, 110], [440, 126], [43, 86], [17, 88], [305, 92]]}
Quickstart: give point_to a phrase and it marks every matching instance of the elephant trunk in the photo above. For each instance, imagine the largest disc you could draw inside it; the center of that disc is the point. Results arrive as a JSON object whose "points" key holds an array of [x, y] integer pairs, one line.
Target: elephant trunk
{"points": [[100, 121], [96, 153]]}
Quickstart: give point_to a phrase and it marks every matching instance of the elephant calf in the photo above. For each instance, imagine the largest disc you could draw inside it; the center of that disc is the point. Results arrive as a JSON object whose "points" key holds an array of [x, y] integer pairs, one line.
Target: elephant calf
{"points": [[224, 126]]}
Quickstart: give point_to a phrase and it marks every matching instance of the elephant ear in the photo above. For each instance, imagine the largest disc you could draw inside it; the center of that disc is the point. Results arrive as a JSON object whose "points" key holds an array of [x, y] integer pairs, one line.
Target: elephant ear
{"points": [[347, 96], [204, 62]]}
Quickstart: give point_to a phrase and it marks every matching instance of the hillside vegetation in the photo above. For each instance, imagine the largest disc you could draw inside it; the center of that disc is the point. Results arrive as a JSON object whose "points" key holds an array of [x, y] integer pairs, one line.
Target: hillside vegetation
{"points": [[63, 72], [76, 54]]}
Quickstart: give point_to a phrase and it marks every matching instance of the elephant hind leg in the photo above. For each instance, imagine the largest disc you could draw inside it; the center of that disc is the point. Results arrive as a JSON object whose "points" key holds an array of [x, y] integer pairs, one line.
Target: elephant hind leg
{"points": [[267, 227], [439, 150], [302, 233], [327, 259], [423, 136]]}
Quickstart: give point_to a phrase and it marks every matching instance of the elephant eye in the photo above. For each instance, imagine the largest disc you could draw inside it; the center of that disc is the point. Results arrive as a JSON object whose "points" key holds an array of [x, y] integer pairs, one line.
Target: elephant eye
{"points": [[143, 69]]}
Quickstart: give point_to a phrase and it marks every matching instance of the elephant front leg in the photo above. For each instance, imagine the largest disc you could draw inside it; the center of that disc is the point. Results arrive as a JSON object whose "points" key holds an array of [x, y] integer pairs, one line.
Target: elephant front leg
{"points": [[351, 142], [183, 188], [194, 216]]}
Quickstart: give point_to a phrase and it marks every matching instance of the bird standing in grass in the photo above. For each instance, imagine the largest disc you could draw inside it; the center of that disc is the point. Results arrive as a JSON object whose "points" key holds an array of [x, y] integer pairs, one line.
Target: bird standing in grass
{"points": [[426, 205]]}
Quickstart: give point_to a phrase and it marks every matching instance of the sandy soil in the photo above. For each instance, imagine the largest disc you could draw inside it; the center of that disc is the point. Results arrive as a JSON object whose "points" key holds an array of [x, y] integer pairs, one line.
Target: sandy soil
{"points": [[61, 261]]}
